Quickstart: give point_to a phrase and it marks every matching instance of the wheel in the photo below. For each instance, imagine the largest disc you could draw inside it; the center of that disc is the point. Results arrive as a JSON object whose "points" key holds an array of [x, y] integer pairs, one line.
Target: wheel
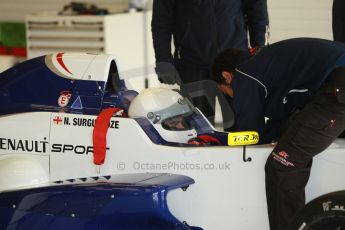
{"points": [[323, 213]]}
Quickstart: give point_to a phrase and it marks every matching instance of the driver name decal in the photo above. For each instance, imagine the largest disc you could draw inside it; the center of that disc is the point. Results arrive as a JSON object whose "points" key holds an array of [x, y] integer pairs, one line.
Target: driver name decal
{"points": [[81, 122]]}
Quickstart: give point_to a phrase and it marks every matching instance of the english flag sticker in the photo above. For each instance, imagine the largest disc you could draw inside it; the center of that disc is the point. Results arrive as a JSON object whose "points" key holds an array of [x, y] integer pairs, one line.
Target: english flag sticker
{"points": [[57, 120]]}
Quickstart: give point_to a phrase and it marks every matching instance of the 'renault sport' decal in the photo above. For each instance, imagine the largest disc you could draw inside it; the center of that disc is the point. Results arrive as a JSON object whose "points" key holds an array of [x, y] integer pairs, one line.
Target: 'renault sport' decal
{"points": [[37, 146], [76, 149], [81, 122], [19, 145]]}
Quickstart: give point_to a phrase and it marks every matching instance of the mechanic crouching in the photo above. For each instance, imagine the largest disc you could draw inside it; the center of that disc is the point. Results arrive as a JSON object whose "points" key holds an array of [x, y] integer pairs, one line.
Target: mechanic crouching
{"points": [[292, 92]]}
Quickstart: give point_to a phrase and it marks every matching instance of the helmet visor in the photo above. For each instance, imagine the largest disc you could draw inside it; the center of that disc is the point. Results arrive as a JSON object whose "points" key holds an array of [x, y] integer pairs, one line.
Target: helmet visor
{"points": [[180, 116], [181, 108], [177, 123]]}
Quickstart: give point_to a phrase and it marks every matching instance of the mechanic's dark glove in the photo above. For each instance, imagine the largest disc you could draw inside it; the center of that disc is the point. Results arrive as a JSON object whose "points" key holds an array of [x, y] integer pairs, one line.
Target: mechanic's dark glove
{"points": [[204, 140], [167, 73]]}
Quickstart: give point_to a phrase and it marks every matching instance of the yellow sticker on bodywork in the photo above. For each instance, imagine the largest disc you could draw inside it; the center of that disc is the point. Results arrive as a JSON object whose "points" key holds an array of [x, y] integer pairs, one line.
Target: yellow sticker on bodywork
{"points": [[243, 138]]}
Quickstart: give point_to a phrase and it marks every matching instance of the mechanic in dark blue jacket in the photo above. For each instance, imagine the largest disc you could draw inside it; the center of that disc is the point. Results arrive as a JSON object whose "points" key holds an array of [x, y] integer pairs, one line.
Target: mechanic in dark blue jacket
{"points": [[268, 89], [200, 29], [338, 20]]}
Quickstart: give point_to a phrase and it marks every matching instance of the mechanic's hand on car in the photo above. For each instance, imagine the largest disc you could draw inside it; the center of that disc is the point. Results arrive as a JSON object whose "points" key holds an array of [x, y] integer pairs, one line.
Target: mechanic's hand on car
{"points": [[204, 140], [167, 73]]}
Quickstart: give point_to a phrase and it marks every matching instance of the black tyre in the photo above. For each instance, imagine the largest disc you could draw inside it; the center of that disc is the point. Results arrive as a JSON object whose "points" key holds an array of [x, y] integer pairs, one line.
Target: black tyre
{"points": [[326, 212]]}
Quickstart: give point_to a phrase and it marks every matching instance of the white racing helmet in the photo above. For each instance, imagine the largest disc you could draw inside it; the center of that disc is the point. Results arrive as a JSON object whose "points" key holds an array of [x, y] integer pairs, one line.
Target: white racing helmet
{"points": [[167, 111]]}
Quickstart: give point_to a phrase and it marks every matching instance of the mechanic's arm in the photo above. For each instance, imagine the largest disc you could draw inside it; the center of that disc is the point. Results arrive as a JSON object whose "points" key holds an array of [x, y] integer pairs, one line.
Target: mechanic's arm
{"points": [[162, 29], [257, 22]]}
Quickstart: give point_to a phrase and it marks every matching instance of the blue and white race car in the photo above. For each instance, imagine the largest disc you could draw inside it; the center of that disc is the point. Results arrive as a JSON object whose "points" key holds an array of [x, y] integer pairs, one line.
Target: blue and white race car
{"points": [[79, 150]]}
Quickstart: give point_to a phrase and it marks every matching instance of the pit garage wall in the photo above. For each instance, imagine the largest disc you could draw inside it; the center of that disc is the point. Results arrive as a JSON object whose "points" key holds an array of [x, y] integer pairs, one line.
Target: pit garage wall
{"points": [[16, 10], [293, 18]]}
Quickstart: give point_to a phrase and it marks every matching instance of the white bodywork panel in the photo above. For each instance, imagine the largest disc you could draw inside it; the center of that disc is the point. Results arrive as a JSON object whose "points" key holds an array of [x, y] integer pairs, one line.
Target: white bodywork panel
{"points": [[80, 66], [228, 193]]}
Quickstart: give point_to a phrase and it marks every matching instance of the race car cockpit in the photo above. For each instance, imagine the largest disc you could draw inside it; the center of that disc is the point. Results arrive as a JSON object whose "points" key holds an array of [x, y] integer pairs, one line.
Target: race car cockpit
{"points": [[86, 84]]}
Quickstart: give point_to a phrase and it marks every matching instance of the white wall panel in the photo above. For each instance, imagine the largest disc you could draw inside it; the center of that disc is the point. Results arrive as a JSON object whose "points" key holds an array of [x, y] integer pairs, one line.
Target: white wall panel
{"points": [[300, 18]]}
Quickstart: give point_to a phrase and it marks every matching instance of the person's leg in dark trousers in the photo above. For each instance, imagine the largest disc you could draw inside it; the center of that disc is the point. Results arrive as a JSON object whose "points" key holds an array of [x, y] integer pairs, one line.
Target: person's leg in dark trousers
{"points": [[312, 131], [338, 26], [338, 20]]}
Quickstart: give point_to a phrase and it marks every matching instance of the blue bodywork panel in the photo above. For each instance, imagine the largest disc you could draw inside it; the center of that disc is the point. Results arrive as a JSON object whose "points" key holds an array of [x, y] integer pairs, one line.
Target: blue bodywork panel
{"points": [[135, 201], [32, 86]]}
